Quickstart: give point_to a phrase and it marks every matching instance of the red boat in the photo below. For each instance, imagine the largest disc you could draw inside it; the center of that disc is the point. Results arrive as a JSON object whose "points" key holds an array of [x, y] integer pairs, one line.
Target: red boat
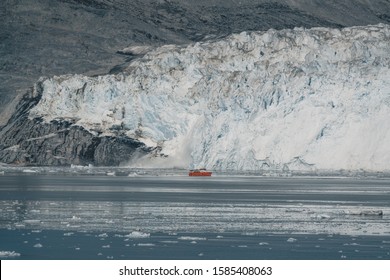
{"points": [[199, 172]]}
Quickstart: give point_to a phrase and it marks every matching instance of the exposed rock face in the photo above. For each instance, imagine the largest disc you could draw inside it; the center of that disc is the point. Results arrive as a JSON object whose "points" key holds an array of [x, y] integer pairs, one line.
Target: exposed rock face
{"points": [[59, 142]]}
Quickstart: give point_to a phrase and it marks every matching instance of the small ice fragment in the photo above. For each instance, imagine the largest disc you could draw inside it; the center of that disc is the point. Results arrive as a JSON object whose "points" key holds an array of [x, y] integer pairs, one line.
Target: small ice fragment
{"points": [[200, 254], [191, 238], [291, 240], [29, 171], [9, 254], [219, 236], [68, 233], [249, 233], [193, 242], [323, 216], [145, 244], [138, 234], [371, 213], [263, 243], [103, 235], [38, 245], [106, 246], [32, 221]]}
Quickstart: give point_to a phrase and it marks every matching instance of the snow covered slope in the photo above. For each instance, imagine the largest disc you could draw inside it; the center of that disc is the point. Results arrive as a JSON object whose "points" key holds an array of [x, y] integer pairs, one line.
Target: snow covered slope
{"points": [[294, 99]]}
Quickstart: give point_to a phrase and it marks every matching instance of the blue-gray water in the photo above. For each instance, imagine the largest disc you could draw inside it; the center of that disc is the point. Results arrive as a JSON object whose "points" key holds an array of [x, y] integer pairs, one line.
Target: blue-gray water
{"points": [[179, 217]]}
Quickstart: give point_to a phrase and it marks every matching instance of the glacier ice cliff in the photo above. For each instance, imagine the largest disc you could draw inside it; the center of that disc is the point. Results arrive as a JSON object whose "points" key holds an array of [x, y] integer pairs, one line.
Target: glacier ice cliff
{"points": [[294, 99]]}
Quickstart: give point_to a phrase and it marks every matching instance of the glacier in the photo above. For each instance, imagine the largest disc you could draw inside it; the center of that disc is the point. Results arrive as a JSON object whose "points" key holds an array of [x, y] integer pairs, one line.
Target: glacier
{"points": [[293, 99]]}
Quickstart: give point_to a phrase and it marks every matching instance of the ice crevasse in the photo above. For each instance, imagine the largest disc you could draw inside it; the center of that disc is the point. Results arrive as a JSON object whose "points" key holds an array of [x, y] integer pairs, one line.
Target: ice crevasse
{"points": [[296, 99]]}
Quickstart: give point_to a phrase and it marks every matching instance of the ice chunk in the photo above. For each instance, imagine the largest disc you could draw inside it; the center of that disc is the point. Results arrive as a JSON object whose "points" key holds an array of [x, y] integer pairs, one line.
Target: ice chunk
{"points": [[9, 254], [29, 171], [146, 244], [291, 240], [191, 238], [138, 234], [371, 213]]}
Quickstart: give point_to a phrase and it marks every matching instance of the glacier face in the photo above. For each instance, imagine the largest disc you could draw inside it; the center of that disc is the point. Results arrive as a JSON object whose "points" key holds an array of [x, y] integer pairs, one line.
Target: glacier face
{"points": [[291, 99]]}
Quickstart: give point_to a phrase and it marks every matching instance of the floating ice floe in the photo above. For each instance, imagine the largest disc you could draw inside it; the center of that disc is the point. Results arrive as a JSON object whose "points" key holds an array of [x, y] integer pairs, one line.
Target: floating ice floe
{"points": [[29, 171], [32, 222], [365, 212], [191, 238], [323, 216], [291, 240], [371, 213], [38, 245], [138, 234], [9, 254], [146, 244]]}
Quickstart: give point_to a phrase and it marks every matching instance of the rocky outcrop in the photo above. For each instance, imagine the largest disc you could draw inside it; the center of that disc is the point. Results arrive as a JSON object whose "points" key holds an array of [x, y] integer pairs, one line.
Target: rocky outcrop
{"points": [[29, 141]]}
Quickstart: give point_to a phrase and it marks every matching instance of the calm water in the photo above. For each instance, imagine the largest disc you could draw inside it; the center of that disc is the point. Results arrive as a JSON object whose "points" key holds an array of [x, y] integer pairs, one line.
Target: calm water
{"points": [[174, 217]]}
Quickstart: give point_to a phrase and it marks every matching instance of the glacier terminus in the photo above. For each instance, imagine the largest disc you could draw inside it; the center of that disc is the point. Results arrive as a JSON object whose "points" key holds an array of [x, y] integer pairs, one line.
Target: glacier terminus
{"points": [[292, 99]]}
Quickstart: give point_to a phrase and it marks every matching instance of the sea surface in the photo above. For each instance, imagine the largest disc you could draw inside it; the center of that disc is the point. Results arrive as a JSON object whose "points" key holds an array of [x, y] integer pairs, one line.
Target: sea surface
{"points": [[141, 216]]}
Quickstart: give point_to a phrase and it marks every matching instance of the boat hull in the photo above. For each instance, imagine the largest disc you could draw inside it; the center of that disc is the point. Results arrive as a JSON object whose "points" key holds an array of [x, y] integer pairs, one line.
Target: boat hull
{"points": [[199, 174]]}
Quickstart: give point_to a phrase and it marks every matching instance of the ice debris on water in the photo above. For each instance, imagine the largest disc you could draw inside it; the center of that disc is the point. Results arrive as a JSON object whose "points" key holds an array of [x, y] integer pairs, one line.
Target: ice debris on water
{"points": [[38, 245]]}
